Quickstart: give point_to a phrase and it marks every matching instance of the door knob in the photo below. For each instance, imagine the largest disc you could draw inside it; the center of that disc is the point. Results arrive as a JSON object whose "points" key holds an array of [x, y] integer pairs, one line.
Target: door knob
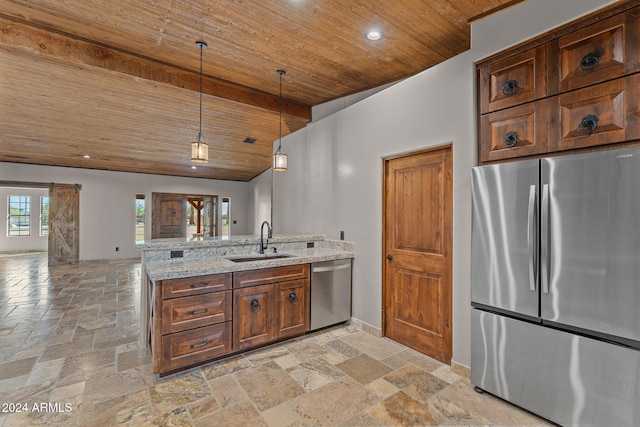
{"points": [[390, 257]]}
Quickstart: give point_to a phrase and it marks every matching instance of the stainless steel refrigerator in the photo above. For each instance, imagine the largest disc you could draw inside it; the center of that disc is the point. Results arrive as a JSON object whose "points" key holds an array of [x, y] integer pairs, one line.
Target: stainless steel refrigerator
{"points": [[555, 286]]}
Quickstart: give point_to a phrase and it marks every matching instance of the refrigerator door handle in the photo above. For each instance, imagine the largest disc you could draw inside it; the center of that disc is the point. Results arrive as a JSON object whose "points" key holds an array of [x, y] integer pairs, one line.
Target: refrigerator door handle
{"points": [[544, 239], [531, 238]]}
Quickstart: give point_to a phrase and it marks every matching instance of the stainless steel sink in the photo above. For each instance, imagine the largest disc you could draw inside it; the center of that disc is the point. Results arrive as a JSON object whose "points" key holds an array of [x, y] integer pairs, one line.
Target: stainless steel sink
{"points": [[260, 258]]}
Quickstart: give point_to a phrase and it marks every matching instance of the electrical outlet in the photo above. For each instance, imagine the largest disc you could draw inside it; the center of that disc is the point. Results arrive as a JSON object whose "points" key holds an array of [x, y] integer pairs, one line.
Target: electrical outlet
{"points": [[117, 248]]}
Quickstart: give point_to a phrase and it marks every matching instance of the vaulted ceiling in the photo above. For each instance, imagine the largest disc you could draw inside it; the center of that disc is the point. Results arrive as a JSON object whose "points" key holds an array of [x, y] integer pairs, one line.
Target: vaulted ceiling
{"points": [[119, 80]]}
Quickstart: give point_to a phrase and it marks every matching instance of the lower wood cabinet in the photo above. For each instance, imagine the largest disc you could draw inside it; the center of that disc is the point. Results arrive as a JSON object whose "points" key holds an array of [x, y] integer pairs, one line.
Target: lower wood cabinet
{"points": [[198, 319], [265, 313], [253, 316], [195, 345]]}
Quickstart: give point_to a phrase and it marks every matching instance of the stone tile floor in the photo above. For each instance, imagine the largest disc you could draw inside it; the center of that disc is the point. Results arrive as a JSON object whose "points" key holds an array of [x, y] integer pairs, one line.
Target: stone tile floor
{"points": [[69, 356]]}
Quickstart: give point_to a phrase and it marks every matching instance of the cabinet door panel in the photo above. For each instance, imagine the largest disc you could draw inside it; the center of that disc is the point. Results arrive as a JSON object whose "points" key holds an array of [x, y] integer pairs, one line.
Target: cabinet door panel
{"points": [[513, 81], [603, 51], [598, 115], [253, 316], [515, 132], [180, 314], [292, 305]]}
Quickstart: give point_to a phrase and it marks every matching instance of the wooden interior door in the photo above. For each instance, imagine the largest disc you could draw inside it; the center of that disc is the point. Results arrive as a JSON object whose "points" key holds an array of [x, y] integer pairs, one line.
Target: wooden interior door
{"points": [[418, 216], [64, 224], [168, 215]]}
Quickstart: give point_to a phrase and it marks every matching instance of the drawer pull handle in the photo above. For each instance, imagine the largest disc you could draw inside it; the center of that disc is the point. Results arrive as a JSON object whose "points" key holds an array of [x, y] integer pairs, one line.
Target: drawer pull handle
{"points": [[511, 139], [293, 298], [255, 306], [199, 285], [510, 88], [590, 61], [588, 124], [194, 312], [202, 344]]}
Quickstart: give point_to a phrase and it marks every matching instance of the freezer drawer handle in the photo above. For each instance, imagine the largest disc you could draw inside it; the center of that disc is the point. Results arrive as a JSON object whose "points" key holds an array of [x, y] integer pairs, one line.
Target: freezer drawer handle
{"points": [[531, 238], [588, 124], [511, 139], [332, 268], [545, 251]]}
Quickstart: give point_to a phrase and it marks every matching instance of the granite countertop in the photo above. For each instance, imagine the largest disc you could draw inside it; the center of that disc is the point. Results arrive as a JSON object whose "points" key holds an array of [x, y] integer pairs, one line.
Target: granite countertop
{"points": [[189, 267], [206, 242]]}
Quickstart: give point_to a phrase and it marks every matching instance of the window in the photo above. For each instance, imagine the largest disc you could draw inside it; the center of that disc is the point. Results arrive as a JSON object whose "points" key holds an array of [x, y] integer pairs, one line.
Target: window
{"points": [[44, 215], [226, 227], [19, 216], [139, 216]]}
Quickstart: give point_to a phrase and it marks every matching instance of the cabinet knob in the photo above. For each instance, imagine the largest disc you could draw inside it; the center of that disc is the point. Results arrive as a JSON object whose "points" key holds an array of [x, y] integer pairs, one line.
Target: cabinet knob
{"points": [[293, 298], [588, 124], [590, 61], [511, 139], [390, 257], [255, 306], [510, 88]]}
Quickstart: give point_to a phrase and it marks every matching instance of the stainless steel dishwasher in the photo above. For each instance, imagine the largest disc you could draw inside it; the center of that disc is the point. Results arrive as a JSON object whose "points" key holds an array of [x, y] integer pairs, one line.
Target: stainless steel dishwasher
{"points": [[330, 292]]}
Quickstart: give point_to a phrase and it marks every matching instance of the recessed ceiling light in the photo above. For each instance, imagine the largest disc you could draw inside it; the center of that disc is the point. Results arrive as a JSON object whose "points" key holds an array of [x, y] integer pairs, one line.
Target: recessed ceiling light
{"points": [[86, 156], [374, 35], [193, 167]]}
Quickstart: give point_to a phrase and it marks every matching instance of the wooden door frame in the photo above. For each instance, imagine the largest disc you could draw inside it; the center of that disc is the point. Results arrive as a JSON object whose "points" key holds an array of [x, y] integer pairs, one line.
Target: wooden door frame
{"points": [[48, 186], [214, 216], [385, 162]]}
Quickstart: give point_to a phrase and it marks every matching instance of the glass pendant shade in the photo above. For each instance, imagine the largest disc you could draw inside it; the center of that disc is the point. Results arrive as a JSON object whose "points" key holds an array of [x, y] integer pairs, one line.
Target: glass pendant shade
{"points": [[199, 150], [279, 161]]}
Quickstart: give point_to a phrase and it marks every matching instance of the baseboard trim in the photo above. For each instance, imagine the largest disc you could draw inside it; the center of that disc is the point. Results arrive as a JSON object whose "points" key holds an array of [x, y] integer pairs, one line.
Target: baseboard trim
{"points": [[460, 369], [373, 330]]}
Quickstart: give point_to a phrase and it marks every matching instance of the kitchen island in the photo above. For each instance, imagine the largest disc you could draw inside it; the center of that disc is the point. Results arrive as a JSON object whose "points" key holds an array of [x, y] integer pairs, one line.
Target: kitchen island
{"points": [[194, 288]]}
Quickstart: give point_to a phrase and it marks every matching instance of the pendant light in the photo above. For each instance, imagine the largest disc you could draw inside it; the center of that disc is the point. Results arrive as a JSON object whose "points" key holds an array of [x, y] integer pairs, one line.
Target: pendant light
{"points": [[199, 147], [279, 158]]}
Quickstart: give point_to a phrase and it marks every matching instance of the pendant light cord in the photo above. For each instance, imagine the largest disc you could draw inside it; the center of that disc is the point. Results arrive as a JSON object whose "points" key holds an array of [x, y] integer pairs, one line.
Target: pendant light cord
{"points": [[200, 129], [280, 141]]}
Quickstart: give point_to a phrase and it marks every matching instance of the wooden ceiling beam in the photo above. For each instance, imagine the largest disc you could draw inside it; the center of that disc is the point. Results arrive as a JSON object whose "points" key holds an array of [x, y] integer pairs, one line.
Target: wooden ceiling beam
{"points": [[18, 35]]}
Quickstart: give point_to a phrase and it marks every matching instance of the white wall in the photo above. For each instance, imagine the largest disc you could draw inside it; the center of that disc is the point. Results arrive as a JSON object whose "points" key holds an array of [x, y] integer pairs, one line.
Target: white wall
{"points": [[334, 181], [259, 207], [107, 202], [22, 243]]}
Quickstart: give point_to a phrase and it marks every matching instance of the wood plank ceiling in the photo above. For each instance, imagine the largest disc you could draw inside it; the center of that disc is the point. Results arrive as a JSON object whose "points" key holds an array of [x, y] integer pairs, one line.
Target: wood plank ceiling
{"points": [[119, 80]]}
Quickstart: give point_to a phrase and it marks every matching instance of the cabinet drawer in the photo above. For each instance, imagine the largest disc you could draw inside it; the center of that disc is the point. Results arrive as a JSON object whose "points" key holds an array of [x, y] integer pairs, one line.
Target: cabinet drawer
{"points": [[184, 313], [195, 346], [513, 81], [603, 114], [603, 51], [243, 279], [517, 131], [195, 285]]}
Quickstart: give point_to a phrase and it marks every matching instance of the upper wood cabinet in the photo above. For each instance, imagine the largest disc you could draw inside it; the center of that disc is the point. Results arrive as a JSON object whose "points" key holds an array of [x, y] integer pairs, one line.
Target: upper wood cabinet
{"points": [[515, 132], [575, 87], [596, 115], [602, 51], [514, 80]]}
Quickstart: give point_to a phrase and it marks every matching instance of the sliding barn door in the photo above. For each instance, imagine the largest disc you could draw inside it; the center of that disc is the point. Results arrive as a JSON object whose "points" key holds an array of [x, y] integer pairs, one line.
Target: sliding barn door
{"points": [[64, 224]]}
